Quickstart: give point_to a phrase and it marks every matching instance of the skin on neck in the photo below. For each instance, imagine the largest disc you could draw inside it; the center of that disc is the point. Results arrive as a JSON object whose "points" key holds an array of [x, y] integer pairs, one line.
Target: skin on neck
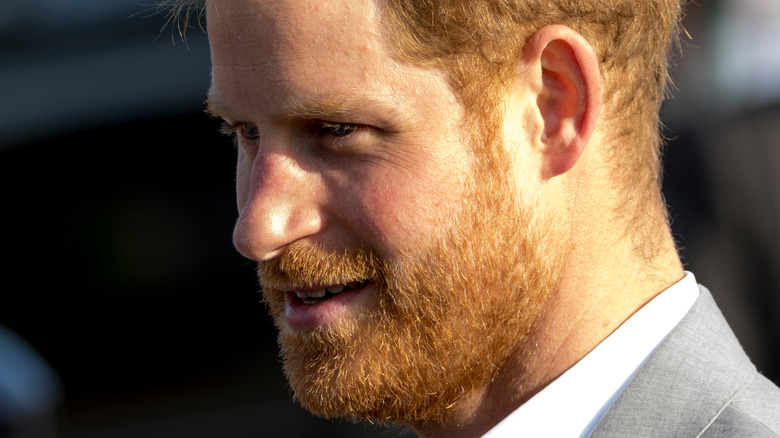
{"points": [[604, 280]]}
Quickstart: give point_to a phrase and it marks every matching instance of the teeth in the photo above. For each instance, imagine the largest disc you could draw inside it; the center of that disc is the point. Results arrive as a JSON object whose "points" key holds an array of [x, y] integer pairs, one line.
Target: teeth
{"points": [[313, 297], [317, 293]]}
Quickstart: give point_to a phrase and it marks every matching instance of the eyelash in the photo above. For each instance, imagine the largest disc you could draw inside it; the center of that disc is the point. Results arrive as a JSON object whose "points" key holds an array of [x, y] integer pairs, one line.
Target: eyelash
{"points": [[250, 132], [336, 129], [238, 129]]}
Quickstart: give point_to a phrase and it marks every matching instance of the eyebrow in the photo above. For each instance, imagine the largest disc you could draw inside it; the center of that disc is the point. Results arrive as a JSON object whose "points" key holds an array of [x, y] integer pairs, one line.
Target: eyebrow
{"points": [[313, 109], [316, 108], [216, 108]]}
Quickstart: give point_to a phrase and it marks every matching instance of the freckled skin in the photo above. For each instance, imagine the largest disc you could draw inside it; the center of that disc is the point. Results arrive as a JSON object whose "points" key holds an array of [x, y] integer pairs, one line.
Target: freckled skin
{"points": [[392, 192]]}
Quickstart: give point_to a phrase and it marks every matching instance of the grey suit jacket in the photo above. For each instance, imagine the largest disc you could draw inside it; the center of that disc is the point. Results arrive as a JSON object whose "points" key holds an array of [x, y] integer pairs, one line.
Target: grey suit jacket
{"points": [[698, 382]]}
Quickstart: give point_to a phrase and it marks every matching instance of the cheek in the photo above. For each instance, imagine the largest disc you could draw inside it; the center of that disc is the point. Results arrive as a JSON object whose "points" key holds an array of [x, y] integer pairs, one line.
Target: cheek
{"points": [[397, 212]]}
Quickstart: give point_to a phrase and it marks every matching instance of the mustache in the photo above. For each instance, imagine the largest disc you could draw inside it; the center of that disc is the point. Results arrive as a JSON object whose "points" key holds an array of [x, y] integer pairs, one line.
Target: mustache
{"points": [[309, 264]]}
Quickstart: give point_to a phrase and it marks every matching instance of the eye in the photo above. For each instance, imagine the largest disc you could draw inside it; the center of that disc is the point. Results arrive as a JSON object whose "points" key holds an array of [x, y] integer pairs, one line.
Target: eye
{"points": [[249, 131], [342, 137], [336, 129], [246, 131]]}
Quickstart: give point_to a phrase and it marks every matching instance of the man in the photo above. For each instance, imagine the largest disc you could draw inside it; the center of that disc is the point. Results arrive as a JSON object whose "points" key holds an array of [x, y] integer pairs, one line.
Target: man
{"points": [[456, 215]]}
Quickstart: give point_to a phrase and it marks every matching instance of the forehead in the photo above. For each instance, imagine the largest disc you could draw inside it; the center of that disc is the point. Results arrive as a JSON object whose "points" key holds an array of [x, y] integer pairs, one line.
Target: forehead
{"points": [[286, 26], [300, 45]]}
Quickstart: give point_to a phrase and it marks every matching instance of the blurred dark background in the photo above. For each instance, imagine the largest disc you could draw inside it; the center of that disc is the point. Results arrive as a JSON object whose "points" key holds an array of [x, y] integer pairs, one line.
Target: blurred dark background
{"points": [[125, 311]]}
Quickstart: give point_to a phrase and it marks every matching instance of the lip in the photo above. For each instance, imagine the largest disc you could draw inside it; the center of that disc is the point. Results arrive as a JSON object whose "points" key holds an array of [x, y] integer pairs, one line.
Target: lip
{"points": [[303, 317]]}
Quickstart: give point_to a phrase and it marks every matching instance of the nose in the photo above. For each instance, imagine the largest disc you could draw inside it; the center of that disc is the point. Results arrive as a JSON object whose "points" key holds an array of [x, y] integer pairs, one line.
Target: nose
{"points": [[278, 205]]}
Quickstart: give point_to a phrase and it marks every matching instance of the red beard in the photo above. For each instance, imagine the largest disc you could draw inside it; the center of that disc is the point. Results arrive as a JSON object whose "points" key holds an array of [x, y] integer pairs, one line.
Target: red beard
{"points": [[441, 323]]}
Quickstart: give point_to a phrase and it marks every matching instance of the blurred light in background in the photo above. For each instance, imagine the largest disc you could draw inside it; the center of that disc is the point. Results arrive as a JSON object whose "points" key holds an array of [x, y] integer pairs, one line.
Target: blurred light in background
{"points": [[70, 66], [747, 53]]}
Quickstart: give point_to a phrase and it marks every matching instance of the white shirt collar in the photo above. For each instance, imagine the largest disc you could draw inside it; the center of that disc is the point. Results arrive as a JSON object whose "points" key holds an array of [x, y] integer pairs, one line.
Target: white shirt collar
{"points": [[572, 404]]}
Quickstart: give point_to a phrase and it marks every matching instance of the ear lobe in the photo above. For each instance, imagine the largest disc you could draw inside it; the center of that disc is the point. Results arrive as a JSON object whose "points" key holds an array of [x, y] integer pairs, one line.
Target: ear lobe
{"points": [[569, 96]]}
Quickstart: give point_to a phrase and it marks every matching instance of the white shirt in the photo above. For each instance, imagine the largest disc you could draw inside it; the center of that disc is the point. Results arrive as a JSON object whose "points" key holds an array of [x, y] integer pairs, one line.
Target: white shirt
{"points": [[573, 403]]}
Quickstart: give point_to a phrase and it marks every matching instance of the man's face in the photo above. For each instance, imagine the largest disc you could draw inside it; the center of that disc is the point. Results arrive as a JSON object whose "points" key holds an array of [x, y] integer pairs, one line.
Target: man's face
{"points": [[400, 273]]}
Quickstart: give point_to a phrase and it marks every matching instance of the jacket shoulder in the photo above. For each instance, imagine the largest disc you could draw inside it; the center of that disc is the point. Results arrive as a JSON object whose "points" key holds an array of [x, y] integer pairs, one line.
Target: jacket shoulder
{"points": [[698, 383]]}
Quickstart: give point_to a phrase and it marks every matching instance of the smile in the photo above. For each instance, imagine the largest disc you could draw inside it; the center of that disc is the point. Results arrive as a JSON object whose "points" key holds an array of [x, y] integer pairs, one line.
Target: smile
{"points": [[319, 295], [308, 308]]}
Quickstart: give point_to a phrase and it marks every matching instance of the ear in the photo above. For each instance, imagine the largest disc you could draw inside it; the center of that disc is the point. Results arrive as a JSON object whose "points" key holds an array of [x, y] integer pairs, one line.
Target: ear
{"points": [[566, 70]]}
